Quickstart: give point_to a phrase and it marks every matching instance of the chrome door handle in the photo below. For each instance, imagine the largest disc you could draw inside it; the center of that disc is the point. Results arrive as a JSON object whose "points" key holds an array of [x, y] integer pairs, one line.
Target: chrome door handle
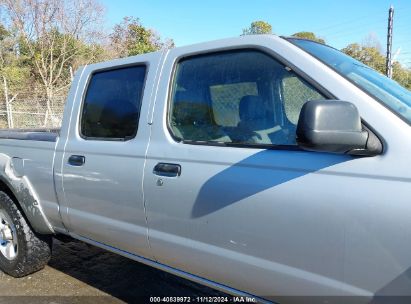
{"points": [[76, 160], [168, 170]]}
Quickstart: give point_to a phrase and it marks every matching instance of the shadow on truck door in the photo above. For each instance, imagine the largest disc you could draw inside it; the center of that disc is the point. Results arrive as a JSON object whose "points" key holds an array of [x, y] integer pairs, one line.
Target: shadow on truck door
{"points": [[259, 172]]}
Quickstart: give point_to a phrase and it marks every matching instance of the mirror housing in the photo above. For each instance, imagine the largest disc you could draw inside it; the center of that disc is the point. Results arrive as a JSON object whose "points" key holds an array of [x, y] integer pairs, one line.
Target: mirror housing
{"points": [[335, 126]]}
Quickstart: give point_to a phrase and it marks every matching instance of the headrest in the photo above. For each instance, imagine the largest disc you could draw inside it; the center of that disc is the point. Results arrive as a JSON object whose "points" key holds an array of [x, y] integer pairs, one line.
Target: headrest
{"points": [[252, 108]]}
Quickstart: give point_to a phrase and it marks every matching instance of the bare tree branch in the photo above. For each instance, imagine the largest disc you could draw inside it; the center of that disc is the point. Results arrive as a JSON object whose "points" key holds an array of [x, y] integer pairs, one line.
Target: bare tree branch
{"points": [[52, 31]]}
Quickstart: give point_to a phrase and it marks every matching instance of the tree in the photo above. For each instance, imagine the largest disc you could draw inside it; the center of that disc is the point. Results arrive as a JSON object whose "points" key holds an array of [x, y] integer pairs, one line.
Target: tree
{"points": [[52, 35], [310, 36], [367, 55], [3, 32], [258, 27], [371, 56], [13, 74], [401, 75], [130, 38]]}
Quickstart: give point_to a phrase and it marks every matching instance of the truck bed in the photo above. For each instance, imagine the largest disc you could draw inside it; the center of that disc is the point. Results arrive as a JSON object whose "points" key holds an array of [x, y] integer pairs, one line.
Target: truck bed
{"points": [[45, 134]]}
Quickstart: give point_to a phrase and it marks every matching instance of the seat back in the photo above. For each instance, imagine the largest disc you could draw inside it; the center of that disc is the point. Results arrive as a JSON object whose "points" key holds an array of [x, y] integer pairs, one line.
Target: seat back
{"points": [[254, 114], [192, 118]]}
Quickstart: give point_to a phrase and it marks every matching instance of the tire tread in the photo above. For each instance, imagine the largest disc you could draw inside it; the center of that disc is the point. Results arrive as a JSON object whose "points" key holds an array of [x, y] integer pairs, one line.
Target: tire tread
{"points": [[33, 250]]}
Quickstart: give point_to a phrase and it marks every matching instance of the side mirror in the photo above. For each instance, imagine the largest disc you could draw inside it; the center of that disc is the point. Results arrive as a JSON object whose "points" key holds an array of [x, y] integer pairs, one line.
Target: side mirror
{"points": [[335, 126]]}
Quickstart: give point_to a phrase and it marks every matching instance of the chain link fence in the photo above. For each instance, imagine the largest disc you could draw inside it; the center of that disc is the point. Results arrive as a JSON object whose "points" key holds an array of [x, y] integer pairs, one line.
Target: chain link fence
{"points": [[28, 112]]}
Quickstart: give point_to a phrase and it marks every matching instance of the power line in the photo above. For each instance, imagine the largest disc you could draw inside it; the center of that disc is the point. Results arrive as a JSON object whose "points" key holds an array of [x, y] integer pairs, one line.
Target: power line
{"points": [[401, 26], [361, 18], [339, 32], [405, 39], [398, 43], [402, 9], [348, 31], [352, 27]]}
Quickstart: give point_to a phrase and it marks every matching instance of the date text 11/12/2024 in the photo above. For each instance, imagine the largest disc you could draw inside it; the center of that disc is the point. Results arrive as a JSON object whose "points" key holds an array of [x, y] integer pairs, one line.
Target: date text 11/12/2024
{"points": [[203, 299]]}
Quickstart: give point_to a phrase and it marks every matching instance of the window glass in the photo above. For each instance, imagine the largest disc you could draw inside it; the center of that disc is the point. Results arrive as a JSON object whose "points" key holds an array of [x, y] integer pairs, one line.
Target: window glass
{"points": [[239, 97], [112, 104], [389, 92], [295, 93], [226, 101]]}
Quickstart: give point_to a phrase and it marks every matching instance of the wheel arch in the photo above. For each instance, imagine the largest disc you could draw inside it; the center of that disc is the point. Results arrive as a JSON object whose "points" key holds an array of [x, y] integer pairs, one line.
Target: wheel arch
{"points": [[19, 189]]}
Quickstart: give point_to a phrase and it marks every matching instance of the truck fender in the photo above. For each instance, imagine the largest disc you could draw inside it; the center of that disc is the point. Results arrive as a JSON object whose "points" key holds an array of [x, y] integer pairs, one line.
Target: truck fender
{"points": [[13, 180]]}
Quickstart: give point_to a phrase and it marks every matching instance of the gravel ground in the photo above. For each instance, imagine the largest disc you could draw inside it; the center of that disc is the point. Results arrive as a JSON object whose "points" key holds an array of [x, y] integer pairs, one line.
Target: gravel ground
{"points": [[81, 273]]}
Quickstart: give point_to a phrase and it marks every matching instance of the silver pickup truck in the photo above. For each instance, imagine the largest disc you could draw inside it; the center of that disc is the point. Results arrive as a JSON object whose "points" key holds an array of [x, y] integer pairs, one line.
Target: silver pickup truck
{"points": [[260, 165]]}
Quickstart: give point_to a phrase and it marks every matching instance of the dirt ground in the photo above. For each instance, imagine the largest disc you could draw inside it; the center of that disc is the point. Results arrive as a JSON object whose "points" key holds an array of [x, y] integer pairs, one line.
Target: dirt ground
{"points": [[80, 273]]}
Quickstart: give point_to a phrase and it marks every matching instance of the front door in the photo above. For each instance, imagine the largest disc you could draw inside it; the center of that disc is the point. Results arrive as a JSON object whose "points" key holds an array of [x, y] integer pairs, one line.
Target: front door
{"points": [[229, 195]]}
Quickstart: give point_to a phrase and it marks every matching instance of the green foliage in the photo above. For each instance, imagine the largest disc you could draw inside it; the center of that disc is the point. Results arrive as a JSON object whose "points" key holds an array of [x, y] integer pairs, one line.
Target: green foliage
{"points": [[372, 57], [402, 75], [130, 38], [15, 75], [258, 27], [309, 35], [52, 58], [367, 55], [3, 32], [13, 69]]}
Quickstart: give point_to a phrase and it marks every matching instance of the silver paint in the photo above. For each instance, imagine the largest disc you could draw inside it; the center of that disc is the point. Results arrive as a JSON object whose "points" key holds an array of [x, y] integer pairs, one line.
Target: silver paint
{"points": [[265, 222]]}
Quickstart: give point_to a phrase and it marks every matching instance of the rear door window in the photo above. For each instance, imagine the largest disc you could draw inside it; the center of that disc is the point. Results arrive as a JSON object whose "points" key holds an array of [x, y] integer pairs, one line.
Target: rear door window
{"points": [[112, 104]]}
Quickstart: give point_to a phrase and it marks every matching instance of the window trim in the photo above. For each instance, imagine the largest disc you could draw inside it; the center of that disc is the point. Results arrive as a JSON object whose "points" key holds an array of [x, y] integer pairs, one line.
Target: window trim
{"points": [[269, 52], [108, 69]]}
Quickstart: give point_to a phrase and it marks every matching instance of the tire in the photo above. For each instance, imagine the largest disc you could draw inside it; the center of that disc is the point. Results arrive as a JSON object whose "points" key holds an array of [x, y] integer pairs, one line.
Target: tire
{"points": [[22, 251]]}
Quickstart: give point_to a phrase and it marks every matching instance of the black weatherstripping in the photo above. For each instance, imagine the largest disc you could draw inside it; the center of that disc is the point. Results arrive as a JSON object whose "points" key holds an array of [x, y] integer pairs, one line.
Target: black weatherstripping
{"points": [[168, 170]]}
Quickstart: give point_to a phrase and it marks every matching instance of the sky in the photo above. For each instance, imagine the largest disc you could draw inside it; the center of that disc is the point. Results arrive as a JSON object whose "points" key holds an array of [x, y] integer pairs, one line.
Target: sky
{"points": [[338, 22]]}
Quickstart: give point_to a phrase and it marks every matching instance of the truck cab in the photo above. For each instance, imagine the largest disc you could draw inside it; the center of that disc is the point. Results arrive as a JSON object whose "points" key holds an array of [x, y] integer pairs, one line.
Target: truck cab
{"points": [[261, 166]]}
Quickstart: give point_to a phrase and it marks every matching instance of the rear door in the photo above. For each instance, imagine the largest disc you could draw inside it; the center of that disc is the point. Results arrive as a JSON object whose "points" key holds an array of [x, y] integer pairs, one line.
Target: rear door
{"points": [[104, 155]]}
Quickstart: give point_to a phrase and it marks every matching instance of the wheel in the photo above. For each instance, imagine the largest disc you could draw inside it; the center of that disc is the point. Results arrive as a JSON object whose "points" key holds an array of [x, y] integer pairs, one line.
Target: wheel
{"points": [[22, 251]]}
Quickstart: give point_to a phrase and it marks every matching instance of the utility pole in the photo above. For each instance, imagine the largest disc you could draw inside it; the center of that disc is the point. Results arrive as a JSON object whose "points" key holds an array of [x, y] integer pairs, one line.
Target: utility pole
{"points": [[389, 42]]}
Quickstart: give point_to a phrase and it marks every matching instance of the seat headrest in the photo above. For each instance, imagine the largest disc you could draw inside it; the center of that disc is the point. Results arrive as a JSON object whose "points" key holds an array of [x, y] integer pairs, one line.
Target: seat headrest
{"points": [[254, 113], [251, 108]]}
